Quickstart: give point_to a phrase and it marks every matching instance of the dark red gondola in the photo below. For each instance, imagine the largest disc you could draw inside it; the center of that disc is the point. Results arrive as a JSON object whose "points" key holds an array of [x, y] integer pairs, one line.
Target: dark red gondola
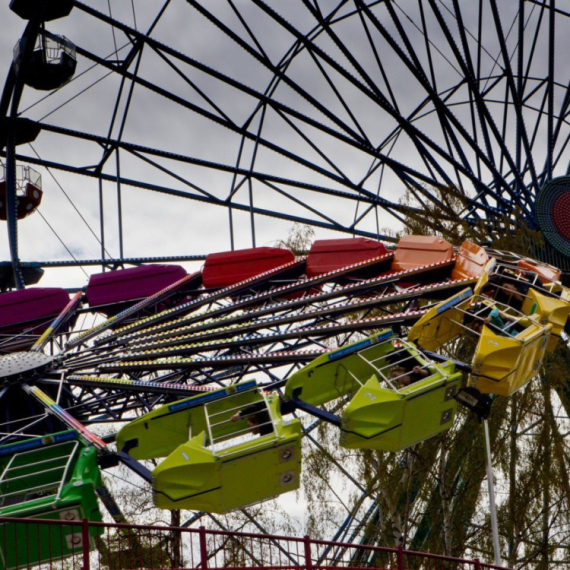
{"points": [[28, 192], [333, 254], [230, 267]]}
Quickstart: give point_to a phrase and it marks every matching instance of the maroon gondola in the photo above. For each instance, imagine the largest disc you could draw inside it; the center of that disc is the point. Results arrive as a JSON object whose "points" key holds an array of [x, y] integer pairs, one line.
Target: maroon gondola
{"points": [[231, 267], [332, 254], [25, 314]]}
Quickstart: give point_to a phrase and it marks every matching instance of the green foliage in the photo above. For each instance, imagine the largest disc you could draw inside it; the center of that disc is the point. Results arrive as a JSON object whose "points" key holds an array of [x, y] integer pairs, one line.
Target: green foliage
{"points": [[445, 217], [298, 240], [132, 549], [433, 497], [126, 548]]}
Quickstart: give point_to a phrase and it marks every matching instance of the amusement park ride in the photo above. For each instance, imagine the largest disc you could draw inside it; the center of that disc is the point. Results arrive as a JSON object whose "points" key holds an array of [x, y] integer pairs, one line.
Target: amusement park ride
{"points": [[209, 373], [185, 337]]}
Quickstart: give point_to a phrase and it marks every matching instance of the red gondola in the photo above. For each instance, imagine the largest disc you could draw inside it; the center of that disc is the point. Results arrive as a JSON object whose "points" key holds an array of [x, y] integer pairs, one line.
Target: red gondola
{"points": [[28, 192], [230, 267], [333, 254]]}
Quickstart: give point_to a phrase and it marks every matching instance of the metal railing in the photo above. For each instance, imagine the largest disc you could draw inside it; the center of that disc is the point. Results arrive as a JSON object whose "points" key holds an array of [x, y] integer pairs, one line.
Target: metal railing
{"points": [[51, 544]]}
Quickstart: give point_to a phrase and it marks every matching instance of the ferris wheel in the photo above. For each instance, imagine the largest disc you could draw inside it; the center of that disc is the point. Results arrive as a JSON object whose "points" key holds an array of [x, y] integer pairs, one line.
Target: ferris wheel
{"points": [[165, 133]]}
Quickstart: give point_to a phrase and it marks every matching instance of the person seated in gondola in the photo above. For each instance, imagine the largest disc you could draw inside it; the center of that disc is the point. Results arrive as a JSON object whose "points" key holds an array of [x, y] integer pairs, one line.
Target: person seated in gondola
{"points": [[404, 377], [511, 288], [499, 321], [511, 293], [257, 417]]}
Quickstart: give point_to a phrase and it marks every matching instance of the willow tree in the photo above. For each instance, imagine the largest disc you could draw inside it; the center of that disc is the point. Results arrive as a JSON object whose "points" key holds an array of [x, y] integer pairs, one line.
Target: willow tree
{"points": [[433, 496]]}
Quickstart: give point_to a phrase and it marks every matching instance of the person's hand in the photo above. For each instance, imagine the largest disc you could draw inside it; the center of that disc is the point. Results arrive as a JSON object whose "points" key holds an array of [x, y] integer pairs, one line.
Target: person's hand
{"points": [[235, 417]]}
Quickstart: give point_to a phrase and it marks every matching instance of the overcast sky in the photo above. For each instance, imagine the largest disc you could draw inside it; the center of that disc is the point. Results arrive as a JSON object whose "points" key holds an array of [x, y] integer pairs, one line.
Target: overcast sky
{"points": [[332, 120]]}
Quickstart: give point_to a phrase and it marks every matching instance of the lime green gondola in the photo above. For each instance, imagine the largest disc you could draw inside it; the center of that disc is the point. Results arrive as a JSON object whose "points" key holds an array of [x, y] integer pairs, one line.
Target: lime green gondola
{"points": [[387, 418], [339, 372], [382, 413], [54, 478], [160, 432], [221, 464]]}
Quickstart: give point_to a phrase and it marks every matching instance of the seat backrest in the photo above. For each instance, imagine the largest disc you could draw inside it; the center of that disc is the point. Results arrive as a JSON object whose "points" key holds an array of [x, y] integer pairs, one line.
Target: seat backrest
{"points": [[230, 267], [332, 254], [546, 273]]}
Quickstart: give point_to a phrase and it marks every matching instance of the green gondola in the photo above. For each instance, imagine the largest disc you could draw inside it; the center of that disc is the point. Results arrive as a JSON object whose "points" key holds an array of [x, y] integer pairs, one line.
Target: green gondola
{"points": [[212, 454], [339, 372], [54, 478], [389, 419], [392, 406]]}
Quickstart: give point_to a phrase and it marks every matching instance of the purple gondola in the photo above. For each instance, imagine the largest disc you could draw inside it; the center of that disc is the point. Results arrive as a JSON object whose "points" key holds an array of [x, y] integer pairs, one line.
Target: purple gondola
{"points": [[25, 314], [110, 292]]}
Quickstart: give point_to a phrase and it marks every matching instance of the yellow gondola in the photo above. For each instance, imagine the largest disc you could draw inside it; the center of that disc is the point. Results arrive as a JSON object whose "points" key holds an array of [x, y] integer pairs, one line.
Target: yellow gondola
{"points": [[548, 310], [549, 301], [442, 323], [559, 290], [507, 357]]}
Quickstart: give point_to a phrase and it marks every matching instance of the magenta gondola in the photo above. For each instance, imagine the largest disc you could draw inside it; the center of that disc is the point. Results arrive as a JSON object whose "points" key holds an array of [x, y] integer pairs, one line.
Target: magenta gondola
{"points": [[109, 292], [25, 314]]}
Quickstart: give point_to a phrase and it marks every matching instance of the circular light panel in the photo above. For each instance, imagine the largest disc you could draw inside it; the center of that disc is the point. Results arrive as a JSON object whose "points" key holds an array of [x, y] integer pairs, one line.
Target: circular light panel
{"points": [[553, 213]]}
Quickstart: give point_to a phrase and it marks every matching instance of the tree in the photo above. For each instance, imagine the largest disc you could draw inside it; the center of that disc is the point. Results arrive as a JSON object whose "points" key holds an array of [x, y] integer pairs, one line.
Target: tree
{"points": [[432, 497], [298, 240]]}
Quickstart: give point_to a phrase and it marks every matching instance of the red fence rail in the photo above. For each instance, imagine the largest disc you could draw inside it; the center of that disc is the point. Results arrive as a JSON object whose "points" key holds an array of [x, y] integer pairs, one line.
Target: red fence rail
{"points": [[76, 545]]}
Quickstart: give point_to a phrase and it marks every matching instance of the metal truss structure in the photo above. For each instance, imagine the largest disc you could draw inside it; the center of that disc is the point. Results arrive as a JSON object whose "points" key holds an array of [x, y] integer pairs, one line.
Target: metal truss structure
{"points": [[325, 115], [220, 124]]}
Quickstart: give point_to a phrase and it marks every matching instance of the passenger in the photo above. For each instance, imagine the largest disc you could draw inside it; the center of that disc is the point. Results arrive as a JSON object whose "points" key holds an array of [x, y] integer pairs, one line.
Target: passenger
{"points": [[475, 323], [512, 294], [257, 417], [405, 377], [495, 319]]}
